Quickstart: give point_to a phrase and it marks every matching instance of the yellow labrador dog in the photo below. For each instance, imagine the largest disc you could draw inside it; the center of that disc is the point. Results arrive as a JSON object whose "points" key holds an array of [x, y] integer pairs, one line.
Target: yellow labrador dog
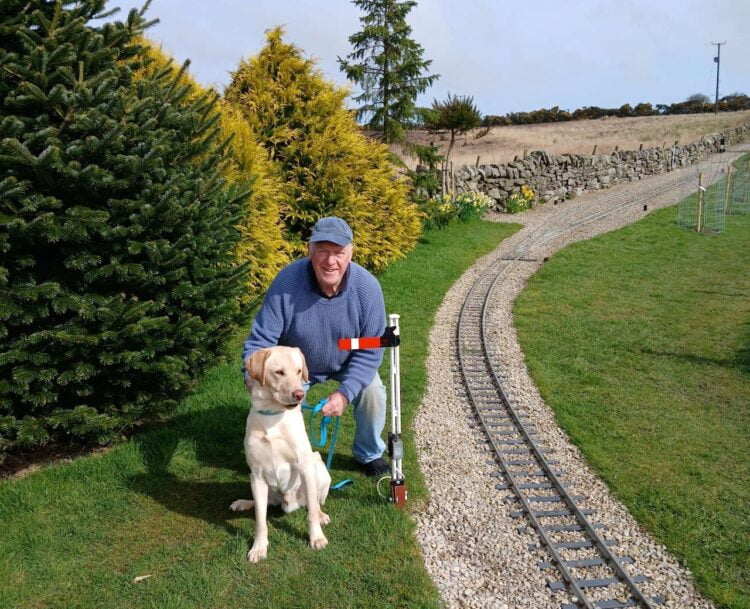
{"points": [[283, 468]]}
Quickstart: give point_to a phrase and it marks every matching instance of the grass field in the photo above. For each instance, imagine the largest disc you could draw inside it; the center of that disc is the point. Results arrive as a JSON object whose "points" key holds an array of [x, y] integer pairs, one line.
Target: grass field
{"points": [[502, 144], [77, 535], [640, 342]]}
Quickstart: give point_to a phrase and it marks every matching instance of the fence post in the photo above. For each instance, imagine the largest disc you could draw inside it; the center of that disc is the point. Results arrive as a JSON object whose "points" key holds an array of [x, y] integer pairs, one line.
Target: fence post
{"points": [[729, 189], [700, 203], [593, 152]]}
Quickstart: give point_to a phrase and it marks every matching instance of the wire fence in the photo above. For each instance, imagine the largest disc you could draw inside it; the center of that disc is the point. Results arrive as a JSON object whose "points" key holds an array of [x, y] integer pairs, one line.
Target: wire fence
{"points": [[706, 211], [739, 189]]}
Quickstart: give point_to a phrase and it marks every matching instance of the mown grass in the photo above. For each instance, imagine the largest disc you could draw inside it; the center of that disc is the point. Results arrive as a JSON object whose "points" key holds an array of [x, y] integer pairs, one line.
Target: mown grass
{"points": [[76, 535], [640, 342]]}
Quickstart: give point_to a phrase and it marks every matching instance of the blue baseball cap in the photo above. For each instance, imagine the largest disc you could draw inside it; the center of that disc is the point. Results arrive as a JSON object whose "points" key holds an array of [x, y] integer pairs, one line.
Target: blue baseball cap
{"points": [[332, 229]]}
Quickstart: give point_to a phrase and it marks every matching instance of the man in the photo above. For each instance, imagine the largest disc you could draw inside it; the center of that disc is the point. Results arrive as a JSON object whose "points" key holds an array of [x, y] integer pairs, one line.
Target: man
{"points": [[311, 304]]}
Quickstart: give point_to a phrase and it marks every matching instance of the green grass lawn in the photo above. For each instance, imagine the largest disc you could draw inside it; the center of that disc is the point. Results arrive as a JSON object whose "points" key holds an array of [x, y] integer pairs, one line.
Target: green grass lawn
{"points": [[76, 535], [640, 342]]}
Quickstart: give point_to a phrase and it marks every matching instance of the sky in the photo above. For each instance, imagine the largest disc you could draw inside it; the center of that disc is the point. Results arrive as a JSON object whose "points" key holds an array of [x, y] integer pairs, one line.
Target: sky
{"points": [[509, 55]]}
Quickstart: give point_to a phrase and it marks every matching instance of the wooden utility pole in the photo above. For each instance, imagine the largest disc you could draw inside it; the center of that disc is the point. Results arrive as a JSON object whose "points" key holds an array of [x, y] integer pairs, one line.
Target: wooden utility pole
{"points": [[717, 59]]}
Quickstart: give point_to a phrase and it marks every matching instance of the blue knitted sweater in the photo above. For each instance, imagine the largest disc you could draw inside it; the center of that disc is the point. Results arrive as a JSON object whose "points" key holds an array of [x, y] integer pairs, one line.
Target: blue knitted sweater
{"points": [[296, 313]]}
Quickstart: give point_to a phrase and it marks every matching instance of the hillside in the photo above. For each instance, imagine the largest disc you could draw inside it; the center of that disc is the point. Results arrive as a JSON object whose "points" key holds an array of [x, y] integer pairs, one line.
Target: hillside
{"points": [[502, 144]]}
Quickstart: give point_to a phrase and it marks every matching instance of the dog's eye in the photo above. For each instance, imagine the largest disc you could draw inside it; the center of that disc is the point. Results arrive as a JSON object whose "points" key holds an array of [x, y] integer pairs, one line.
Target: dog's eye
{"points": [[280, 372]]}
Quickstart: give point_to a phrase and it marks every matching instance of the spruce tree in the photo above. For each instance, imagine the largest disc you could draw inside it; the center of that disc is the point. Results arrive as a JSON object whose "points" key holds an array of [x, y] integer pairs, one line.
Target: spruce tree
{"points": [[329, 167], [118, 282], [387, 64]]}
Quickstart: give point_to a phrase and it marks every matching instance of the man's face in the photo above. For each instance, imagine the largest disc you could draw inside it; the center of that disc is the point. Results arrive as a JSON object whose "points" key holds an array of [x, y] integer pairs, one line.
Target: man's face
{"points": [[329, 261]]}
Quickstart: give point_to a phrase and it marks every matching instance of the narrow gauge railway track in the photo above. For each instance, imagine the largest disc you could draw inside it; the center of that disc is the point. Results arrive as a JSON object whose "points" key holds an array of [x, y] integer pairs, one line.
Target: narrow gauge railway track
{"points": [[544, 499]]}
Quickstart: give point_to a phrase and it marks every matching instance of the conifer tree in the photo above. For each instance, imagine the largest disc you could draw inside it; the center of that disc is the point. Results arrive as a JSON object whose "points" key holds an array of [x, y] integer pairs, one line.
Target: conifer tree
{"points": [[328, 165], [118, 282], [262, 245], [387, 64]]}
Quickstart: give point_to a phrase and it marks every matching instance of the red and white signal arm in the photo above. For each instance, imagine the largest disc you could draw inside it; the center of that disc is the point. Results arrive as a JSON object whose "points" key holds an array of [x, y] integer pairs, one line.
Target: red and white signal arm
{"points": [[391, 338]]}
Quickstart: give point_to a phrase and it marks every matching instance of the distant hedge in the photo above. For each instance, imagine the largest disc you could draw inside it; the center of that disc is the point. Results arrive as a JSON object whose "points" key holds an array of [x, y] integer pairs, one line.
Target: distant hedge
{"points": [[118, 231], [695, 104]]}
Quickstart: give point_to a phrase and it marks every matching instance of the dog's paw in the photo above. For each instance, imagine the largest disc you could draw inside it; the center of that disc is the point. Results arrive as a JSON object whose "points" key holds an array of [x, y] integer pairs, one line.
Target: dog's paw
{"points": [[319, 542], [258, 552], [242, 505], [324, 518]]}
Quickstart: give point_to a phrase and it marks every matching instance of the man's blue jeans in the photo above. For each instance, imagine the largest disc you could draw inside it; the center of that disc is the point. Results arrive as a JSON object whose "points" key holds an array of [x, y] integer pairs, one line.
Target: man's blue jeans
{"points": [[369, 417]]}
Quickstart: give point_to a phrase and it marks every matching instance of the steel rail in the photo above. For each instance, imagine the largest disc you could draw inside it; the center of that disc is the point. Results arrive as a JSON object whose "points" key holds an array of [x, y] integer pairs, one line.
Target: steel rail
{"points": [[567, 575], [603, 548]]}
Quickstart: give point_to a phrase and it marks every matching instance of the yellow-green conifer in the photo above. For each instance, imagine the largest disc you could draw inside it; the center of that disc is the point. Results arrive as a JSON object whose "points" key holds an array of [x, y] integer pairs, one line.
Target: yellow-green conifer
{"points": [[328, 165]]}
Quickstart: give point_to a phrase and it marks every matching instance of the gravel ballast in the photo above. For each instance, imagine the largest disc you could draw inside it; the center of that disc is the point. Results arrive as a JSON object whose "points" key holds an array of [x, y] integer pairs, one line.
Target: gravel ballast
{"points": [[471, 545]]}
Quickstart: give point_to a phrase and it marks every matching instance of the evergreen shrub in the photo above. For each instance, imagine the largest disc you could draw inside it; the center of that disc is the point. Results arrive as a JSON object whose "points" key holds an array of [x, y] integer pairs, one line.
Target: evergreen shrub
{"points": [[118, 281], [262, 244], [329, 167]]}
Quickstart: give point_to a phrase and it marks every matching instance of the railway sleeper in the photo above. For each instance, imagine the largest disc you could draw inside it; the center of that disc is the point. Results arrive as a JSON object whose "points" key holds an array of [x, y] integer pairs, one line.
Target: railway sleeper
{"points": [[571, 527], [524, 451], [552, 498], [506, 423], [586, 562], [528, 485], [531, 462], [507, 432], [573, 545], [556, 528], [550, 513], [543, 477], [614, 603], [601, 582]]}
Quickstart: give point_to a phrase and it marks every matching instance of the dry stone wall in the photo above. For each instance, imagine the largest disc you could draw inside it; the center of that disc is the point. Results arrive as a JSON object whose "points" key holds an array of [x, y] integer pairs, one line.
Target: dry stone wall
{"points": [[562, 176]]}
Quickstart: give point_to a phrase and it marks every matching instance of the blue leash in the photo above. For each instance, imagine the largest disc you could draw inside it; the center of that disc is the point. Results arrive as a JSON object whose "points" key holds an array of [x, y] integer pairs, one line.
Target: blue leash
{"points": [[322, 439]]}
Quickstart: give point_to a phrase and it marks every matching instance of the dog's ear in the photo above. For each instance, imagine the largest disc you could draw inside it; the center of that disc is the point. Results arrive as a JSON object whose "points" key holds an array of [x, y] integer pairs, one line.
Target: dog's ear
{"points": [[305, 374], [256, 365]]}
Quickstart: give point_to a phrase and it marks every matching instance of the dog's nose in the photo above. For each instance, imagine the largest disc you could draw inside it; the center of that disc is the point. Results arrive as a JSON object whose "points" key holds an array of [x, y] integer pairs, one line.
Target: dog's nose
{"points": [[298, 395]]}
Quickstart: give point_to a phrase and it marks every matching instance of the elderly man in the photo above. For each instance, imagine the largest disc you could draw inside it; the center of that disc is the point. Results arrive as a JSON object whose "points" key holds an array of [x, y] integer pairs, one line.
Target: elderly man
{"points": [[311, 304]]}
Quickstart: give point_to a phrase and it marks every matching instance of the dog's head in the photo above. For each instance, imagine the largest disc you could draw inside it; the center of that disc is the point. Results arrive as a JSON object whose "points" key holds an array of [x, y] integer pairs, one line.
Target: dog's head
{"points": [[278, 374]]}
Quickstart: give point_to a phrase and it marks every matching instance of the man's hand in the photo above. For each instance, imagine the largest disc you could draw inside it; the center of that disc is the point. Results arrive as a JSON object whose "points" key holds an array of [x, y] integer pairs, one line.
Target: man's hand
{"points": [[335, 405]]}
